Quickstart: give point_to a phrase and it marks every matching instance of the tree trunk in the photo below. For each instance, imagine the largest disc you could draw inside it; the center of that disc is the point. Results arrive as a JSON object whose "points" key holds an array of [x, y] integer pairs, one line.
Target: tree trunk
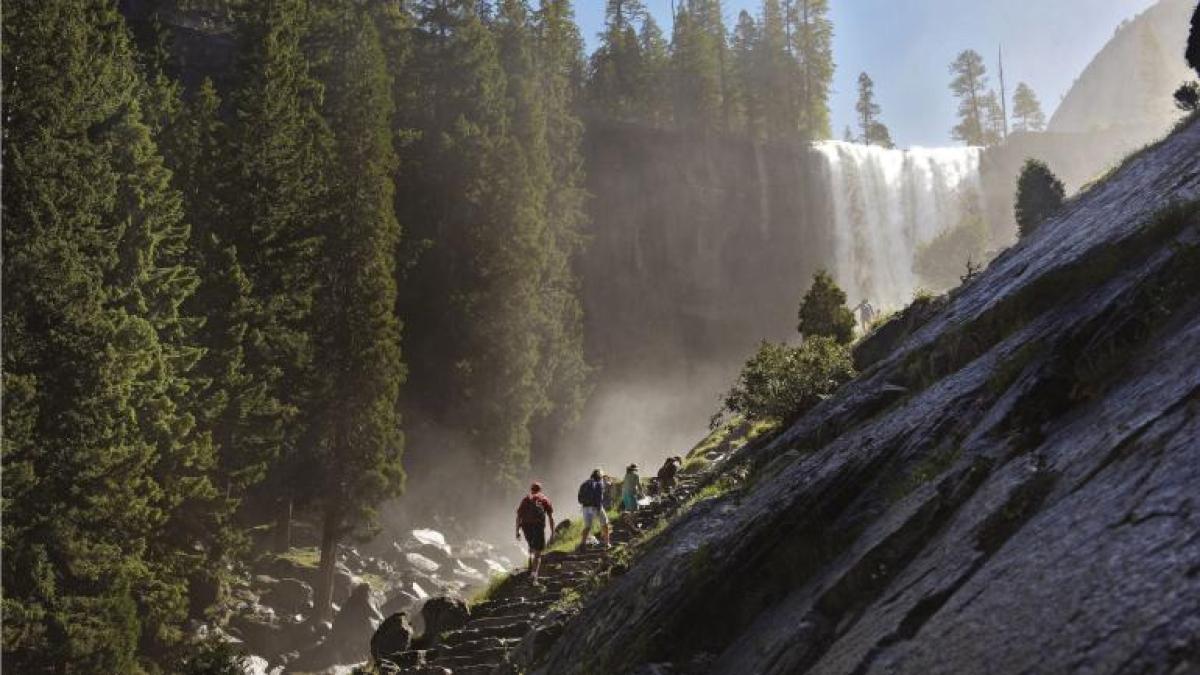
{"points": [[283, 526], [322, 611]]}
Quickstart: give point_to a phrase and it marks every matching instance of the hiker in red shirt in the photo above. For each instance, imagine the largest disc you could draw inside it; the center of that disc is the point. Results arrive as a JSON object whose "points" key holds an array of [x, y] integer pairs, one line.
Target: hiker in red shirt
{"points": [[532, 513]]}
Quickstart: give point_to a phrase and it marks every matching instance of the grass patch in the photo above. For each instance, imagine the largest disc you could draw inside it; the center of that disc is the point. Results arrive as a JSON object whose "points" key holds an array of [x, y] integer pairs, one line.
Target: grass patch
{"points": [[697, 464], [570, 600], [759, 429], [306, 557], [714, 439], [495, 583], [717, 488], [933, 465], [375, 581], [568, 539]]}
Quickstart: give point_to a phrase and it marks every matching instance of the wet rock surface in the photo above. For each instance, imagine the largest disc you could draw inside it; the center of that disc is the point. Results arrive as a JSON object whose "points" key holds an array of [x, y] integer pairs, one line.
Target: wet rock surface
{"points": [[1011, 488]]}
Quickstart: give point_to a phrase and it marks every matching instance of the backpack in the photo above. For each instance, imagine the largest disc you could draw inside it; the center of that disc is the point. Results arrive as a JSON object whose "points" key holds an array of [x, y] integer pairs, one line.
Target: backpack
{"points": [[531, 512], [588, 496]]}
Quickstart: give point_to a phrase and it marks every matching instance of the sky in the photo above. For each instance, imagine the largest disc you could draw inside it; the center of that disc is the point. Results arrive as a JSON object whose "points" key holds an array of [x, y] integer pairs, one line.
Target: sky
{"points": [[906, 47]]}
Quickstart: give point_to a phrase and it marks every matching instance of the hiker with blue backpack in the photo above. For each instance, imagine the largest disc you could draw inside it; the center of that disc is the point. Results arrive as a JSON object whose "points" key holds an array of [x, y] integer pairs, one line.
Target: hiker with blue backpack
{"points": [[591, 498], [532, 513]]}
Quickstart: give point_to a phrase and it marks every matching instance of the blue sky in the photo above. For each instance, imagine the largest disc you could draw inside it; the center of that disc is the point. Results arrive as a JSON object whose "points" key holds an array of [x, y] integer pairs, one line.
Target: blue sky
{"points": [[906, 46]]}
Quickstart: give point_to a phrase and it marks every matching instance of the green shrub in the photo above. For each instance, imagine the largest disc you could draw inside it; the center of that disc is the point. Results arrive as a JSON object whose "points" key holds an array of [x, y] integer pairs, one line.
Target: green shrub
{"points": [[823, 311], [781, 381], [1039, 195], [1187, 96]]}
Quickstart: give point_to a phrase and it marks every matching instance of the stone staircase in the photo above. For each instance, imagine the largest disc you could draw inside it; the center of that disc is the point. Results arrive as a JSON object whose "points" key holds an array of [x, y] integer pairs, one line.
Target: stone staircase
{"points": [[499, 624]]}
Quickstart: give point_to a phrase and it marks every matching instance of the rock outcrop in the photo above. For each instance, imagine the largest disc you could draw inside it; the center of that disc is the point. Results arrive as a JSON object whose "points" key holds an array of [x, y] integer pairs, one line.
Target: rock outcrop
{"points": [[1027, 502]]}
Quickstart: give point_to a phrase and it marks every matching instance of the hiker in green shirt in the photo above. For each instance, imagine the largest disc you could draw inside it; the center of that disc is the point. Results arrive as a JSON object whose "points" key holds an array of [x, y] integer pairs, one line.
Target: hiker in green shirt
{"points": [[631, 489]]}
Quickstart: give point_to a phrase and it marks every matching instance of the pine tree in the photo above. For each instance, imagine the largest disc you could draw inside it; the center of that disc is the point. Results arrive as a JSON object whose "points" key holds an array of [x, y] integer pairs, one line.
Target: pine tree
{"points": [[745, 73], [355, 435], [563, 371], [812, 41], [994, 122], [104, 464], [1027, 110], [1040, 195], [873, 131], [472, 199], [970, 87], [1193, 44], [279, 150], [823, 311], [655, 74], [779, 74], [617, 77], [696, 63]]}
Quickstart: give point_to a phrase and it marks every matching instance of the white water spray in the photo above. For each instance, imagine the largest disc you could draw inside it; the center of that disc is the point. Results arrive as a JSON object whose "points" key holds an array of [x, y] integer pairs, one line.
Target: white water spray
{"points": [[887, 203]]}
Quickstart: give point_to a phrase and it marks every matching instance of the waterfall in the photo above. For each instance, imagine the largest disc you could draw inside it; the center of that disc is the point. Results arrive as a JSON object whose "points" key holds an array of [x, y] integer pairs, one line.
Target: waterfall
{"points": [[885, 204]]}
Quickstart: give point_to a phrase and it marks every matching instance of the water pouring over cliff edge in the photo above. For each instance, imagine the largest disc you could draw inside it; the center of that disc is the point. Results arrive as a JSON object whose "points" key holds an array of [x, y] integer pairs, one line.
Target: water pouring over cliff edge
{"points": [[885, 204]]}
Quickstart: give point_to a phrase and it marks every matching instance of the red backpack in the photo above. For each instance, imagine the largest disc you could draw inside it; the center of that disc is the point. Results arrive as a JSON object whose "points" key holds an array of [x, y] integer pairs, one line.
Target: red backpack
{"points": [[531, 512]]}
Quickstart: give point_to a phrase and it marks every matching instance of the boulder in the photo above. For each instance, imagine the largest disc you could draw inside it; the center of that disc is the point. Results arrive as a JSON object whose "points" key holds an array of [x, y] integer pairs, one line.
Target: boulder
{"points": [[469, 573], [399, 601], [421, 563], [393, 636], [289, 596], [354, 625], [429, 537], [438, 554], [343, 583], [562, 526], [443, 613]]}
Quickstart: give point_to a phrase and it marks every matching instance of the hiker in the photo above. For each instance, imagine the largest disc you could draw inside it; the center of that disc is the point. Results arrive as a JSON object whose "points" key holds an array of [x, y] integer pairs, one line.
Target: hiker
{"points": [[866, 314], [631, 490], [532, 513], [666, 474], [591, 498]]}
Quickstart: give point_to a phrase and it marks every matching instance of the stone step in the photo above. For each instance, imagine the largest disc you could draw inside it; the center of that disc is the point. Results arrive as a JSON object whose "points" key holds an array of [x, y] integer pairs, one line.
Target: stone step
{"points": [[475, 670], [477, 646], [531, 607], [467, 634], [491, 657], [425, 670], [413, 657], [499, 621]]}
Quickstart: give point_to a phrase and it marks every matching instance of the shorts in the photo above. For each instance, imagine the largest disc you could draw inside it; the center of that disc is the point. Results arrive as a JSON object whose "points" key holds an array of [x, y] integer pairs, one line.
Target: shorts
{"points": [[591, 513], [535, 536]]}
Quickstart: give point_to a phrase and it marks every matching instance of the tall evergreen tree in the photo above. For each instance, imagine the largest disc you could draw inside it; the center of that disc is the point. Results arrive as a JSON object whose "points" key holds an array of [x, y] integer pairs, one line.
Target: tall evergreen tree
{"points": [[564, 373], [105, 468], [696, 63], [355, 434], [617, 74], [744, 74], [778, 76], [280, 149], [993, 119], [873, 131], [232, 406], [812, 44], [1027, 110], [970, 87], [655, 83]]}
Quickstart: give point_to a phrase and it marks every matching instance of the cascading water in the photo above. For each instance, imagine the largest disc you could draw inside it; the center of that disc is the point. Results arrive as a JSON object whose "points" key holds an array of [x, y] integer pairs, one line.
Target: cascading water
{"points": [[885, 204]]}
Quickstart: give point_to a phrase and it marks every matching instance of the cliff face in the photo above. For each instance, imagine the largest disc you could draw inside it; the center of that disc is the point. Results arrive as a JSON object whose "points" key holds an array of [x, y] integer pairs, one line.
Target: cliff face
{"points": [[1012, 489], [699, 246]]}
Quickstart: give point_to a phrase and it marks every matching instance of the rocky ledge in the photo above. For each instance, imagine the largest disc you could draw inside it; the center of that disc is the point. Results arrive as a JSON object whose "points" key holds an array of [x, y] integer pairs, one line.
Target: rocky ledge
{"points": [[1009, 487]]}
